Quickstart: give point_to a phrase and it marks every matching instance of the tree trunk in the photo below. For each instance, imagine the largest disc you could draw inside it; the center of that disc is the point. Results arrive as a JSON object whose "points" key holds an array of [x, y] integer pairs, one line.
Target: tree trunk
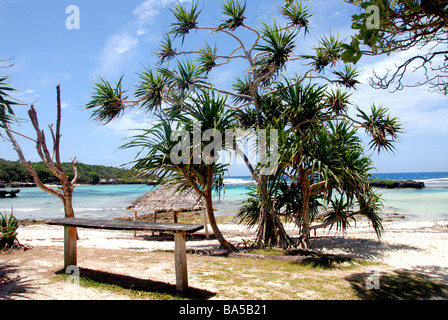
{"points": [[210, 212], [304, 239], [67, 201], [66, 192], [211, 218], [270, 230]]}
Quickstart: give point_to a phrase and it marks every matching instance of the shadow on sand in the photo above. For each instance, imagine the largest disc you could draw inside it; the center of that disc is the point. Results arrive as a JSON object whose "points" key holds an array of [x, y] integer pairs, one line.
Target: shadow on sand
{"points": [[11, 285], [399, 284], [141, 285], [356, 248]]}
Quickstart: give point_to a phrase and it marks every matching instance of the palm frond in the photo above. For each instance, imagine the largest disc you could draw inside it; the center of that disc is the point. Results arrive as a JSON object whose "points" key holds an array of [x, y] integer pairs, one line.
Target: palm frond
{"points": [[151, 88], [242, 87], [107, 101], [328, 53], [382, 128], [347, 77], [297, 14], [6, 102], [188, 77], [207, 58], [166, 52], [185, 20], [277, 49], [337, 101], [302, 103], [235, 11]]}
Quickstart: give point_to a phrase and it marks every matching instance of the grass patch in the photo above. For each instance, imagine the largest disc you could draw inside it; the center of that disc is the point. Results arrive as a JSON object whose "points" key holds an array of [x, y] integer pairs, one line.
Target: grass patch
{"points": [[237, 277], [253, 278]]}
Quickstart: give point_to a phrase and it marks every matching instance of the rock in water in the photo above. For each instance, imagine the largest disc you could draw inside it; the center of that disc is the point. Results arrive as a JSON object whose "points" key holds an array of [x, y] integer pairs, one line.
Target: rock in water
{"points": [[397, 184], [9, 194]]}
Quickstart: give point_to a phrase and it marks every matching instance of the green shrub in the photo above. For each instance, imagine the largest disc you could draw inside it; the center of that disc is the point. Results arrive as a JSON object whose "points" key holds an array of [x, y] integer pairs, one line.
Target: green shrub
{"points": [[8, 231]]}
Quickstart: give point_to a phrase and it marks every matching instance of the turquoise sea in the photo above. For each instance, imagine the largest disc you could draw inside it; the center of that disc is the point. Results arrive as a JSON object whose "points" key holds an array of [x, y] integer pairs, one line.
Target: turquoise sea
{"points": [[110, 201]]}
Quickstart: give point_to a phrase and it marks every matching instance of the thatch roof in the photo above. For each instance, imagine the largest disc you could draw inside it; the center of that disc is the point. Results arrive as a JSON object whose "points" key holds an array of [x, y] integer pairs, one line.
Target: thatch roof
{"points": [[167, 198]]}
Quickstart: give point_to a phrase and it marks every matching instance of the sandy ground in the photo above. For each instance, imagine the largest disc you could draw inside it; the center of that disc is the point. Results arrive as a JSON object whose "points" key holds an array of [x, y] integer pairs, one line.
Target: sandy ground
{"points": [[417, 246]]}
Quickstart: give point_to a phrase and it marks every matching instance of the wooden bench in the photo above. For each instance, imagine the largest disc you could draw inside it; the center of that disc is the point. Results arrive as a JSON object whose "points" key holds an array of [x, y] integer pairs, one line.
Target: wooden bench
{"points": [[178, 229]]}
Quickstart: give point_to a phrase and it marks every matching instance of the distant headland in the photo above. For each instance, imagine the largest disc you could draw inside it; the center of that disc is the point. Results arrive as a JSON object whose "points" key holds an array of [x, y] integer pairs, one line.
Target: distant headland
{"points": [[14, 175]]}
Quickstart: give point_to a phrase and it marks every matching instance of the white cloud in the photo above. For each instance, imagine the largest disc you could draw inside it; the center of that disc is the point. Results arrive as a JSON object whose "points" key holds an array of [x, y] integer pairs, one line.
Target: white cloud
{"points": [[421, 111], [147, 11], [28, 96], [118, 49], [124, 127]]}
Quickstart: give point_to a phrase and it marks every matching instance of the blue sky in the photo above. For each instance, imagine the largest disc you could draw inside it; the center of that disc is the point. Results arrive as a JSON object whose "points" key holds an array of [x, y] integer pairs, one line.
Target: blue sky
{"points": [[120, 37]]}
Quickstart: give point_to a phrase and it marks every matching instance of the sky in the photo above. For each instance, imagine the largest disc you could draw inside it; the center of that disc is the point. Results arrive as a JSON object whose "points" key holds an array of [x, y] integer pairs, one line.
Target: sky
{"points": [[118, 38]]}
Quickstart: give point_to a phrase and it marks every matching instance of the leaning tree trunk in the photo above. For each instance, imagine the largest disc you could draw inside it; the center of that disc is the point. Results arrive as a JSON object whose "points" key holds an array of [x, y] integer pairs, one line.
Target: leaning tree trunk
{"points": [[211, 214], [211, 217]]}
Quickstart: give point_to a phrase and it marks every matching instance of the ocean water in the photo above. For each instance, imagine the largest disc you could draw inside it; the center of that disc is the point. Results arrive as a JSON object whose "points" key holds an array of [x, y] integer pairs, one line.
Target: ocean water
{"points": [[110, 201], [427, 204]]}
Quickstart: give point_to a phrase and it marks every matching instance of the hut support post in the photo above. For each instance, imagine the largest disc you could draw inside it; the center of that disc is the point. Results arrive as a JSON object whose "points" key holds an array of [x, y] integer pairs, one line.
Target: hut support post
{"points": [[70, 255], [155, 219], [175, 216], [180, 260], [135, 219], [204, 213]]}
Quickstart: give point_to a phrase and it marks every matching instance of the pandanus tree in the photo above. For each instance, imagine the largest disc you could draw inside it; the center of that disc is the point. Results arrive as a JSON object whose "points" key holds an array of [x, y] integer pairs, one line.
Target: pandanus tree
{"points": [[6, 102], [176, 151], [323, 169], [261, 91]]}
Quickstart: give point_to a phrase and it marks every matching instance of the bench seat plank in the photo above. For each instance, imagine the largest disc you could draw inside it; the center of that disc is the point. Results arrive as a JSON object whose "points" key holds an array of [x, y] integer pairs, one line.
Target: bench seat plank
{"points": [[126, 225]]}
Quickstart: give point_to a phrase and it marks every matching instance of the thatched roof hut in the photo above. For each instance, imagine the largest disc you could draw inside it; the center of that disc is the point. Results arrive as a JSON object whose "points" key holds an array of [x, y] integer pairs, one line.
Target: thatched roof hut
{"points": [[167, 198]]}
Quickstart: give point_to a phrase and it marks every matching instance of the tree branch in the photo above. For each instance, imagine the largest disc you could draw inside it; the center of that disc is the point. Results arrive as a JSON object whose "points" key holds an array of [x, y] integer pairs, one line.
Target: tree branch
{"points": [[58, 128], [29, 168], [326, 224]]}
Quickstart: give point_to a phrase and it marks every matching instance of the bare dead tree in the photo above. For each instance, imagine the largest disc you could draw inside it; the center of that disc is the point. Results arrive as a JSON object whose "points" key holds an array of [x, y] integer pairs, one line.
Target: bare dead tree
{"points": [[51, 159]]}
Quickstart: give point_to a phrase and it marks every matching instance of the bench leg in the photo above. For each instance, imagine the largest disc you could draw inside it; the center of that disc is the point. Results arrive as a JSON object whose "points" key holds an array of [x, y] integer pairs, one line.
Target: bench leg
{"points": [[204, 213], [70, 255], [180, 260]]}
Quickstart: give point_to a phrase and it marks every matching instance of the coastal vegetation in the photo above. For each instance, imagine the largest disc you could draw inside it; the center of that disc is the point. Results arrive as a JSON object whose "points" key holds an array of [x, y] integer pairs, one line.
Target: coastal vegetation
{"points": [[405, 25], [14, 171], [316, 147], [8, 231]]}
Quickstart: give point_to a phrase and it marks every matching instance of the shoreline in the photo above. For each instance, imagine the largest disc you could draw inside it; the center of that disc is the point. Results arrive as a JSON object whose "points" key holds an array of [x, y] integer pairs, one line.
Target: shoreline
{"points": [[417, 247], [412, 243], [381, 184]]}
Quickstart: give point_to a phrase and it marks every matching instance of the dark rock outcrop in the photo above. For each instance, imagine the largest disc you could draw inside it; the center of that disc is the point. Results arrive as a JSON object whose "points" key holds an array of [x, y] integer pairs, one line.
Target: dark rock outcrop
{"points": [[397, 184], [9, 194]]}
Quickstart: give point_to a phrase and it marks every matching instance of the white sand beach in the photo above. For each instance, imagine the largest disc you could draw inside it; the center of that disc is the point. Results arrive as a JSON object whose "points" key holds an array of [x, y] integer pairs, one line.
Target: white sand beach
{"points": [[416, 246]]}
